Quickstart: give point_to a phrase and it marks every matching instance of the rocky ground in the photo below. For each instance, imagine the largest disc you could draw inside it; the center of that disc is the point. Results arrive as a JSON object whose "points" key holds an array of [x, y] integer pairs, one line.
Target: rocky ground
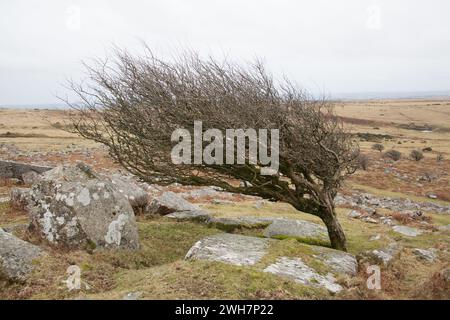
{"points": [[131, 240], [89, 230]]}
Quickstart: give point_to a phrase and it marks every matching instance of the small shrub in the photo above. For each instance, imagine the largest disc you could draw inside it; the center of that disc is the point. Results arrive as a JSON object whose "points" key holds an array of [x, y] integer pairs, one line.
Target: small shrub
{"points": [[363, 162], [416, 155], [57, 125], [378, 146], [393, 154], [440, 157]]}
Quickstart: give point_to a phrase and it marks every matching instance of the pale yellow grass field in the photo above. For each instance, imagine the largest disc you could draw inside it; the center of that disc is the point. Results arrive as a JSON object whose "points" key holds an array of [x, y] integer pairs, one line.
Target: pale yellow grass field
{"points": [[387, 115], [33, 130]]}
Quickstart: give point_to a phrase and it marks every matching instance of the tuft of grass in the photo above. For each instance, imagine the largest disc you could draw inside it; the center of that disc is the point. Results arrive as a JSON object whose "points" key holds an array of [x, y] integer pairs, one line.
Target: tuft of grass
{"points": [[10, 216], [306, 240]]}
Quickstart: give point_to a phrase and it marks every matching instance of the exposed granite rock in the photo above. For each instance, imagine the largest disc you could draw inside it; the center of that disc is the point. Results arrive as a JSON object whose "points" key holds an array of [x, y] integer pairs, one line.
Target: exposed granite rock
{"points": [[297, 270], [407, 231], [16, 257], [426, 255], [192, 215], [354, 214], [230, 248], [169, 202], [72, 207], [136, 195], [299, 229], [247, 251], [11, 169], [30, 177], [338, 261]]}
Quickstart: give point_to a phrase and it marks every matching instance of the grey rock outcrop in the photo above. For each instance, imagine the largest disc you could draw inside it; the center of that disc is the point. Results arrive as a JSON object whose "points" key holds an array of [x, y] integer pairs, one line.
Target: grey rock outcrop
{"points": [[300, 229], [338, 261], [407, 231], [248, 251], [354, 214], [30, 177], [136, 195], [426, 255], [297, 270], [72, 207], [193, 215], [169, 202], [16, 257], [11, 169], [230, 248]]}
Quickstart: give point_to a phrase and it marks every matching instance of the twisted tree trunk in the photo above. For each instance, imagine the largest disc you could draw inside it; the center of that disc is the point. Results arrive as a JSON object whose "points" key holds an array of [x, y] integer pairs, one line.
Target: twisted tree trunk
{"points": [[335, 231]]}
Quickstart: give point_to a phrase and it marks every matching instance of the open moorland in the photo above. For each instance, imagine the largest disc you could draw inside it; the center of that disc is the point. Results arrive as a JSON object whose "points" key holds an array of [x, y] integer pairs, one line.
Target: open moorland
{"points": [[395, 212]]}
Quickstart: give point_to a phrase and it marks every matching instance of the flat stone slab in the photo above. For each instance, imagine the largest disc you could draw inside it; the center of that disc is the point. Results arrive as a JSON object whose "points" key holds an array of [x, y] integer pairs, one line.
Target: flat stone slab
{"points": [[407, 231], [11, 169], [299, 229], [230, 248], [230, 224], [297, 270], [190, 215], [338, 261]]}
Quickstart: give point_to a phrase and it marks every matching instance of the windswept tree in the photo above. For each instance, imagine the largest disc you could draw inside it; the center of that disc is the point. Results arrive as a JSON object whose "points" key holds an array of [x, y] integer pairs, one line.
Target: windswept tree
{"points": [[133, 104]]}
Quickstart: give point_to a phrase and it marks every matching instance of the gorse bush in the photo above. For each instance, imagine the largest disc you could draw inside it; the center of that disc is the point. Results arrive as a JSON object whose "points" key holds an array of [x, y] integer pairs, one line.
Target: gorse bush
{"points": [[416, 155], [378, 146], [393, 155], [363, 161]]}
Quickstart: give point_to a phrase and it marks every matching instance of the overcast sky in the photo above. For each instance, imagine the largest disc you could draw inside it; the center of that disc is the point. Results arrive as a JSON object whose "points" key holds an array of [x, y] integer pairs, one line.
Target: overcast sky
{"points": [[325, 45]]}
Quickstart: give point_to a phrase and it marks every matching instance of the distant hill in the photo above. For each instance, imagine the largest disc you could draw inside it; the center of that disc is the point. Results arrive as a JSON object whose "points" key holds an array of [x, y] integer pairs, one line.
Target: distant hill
{"points": [[53, 106], [433, 95]]}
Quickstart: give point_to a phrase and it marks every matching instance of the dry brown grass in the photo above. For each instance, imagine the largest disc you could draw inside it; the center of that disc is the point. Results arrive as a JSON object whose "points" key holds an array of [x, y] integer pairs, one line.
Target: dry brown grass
{"points": [[34, 130], [405, 278]]}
